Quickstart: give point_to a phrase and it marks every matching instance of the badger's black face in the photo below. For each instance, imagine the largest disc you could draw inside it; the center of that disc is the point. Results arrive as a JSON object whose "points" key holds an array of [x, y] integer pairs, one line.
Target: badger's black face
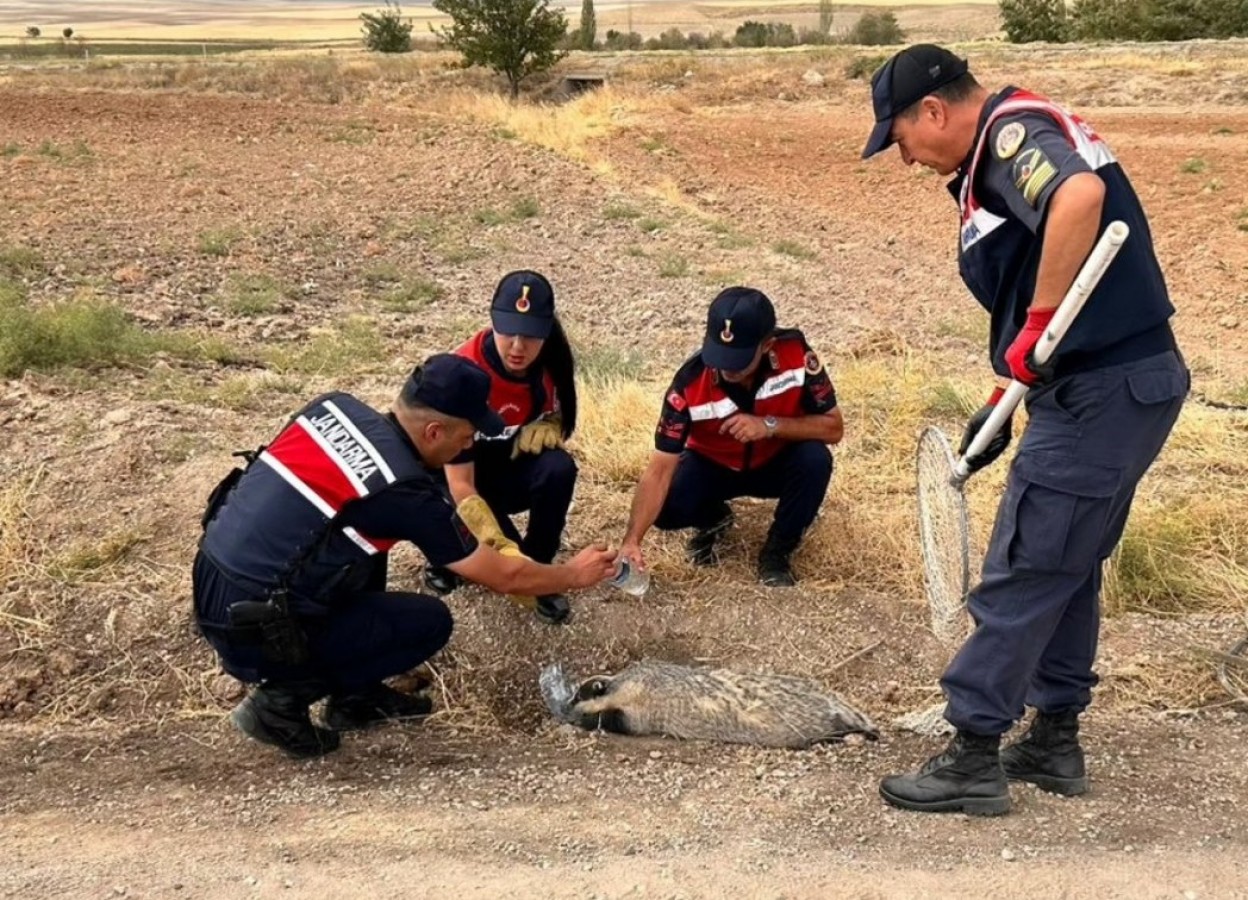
{"points": [[592, 688]]}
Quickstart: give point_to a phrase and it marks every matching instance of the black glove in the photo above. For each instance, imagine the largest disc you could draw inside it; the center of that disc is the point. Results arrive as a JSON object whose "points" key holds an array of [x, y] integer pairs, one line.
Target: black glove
{"points": [[999, 442]]}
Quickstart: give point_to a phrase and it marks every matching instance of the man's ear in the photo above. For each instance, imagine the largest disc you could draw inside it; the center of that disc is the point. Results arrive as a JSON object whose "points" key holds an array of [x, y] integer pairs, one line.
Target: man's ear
{"points": [[933, 108]]}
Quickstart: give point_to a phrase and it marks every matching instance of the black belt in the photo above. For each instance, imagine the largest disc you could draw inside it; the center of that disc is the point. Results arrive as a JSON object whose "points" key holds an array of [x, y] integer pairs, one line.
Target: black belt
{"points": [[1153, 342]]}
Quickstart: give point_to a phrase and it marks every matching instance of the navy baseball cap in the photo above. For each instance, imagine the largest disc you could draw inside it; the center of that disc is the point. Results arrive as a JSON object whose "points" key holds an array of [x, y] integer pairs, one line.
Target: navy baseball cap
{"points": [[740, 319], [903, 81], [524, 304], [456, 387]]}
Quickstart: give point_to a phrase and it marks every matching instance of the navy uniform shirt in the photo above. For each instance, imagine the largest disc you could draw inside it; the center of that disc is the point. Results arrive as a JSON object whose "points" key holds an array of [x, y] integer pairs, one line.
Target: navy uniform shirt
{"points": [[312, 537], [1031, 148]]}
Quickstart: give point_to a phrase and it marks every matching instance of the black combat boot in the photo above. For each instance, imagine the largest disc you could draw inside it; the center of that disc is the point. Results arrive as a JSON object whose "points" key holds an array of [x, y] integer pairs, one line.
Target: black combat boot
{"points": [[277, 713], [1049, 755], [367, 706], [701, 547], [441, 581], [967, 778], [553, 609], [774, 568]]}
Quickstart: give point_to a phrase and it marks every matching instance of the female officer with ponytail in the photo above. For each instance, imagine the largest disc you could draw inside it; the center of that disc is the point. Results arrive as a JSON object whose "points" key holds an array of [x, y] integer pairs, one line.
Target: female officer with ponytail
{"points": [[531, 369]]}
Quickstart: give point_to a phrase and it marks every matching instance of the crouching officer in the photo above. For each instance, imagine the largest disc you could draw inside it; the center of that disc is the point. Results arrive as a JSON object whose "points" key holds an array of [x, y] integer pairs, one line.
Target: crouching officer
{"points": [[290, 579], [1036, 186], [525, 467], [750, 415]]}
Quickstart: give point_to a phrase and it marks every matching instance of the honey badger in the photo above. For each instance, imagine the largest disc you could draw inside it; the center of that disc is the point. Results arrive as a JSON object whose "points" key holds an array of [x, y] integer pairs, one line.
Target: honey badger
{"points": [[704, 704]]}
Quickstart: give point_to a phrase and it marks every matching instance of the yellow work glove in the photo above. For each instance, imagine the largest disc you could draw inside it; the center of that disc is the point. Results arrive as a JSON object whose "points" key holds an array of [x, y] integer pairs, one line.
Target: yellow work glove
{"points": [[544, 434], [475, 513]]}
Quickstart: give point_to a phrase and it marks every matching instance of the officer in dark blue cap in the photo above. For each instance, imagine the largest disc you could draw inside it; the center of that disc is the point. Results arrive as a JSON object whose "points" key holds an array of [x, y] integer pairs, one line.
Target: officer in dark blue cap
{"points": [[1036, 186], [524, 467], [750, 415], [290, 578]]}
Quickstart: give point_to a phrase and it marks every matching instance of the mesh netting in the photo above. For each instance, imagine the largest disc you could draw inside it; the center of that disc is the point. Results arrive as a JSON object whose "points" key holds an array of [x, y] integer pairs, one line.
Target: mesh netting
{"points": [[943, 536]]}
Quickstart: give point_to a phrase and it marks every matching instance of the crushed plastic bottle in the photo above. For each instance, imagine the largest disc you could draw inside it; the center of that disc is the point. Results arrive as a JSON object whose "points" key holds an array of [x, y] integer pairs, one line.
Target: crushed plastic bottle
{"points": [[630, 579]]}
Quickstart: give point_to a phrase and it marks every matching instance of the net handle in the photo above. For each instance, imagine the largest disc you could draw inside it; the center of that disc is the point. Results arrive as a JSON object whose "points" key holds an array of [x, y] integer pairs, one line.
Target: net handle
{"points": [[1085, 282]]}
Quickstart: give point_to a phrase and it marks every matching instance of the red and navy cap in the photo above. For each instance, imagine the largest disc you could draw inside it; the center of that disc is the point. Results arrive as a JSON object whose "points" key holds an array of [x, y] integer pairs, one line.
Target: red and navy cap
{"points": [[903, 81], [739, 320], [456, 387], [524, 304]]}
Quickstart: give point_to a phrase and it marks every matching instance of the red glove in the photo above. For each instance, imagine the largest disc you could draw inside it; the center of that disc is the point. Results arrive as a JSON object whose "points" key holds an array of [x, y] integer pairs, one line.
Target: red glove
{"points": [[1019, 354]]}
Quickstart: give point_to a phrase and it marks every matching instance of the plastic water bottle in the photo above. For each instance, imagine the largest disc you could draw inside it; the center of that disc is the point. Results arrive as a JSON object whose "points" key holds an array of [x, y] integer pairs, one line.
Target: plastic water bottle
{"points": [[630, 579]]}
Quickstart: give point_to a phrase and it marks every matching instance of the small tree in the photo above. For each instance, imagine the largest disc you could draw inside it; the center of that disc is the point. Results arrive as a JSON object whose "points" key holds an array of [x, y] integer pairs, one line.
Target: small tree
{"points": [[1034, 20], [67, 32], [618, 40], [825, 17], [876, 28], [32, 31], [751, 34], [385, 31], [514, 38], [588, 32], [1106, 20]]}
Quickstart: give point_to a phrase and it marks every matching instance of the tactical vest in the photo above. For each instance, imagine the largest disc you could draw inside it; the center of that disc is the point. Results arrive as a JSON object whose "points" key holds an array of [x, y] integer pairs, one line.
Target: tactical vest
{"points": [[779, 395], [518, 401], [277, 527], [999, 257]]}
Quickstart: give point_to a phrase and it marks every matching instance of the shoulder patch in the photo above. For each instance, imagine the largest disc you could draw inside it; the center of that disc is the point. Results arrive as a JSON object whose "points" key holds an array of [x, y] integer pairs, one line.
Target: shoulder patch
{"points": [[676, 401], [1009, 139], [814, 365], [1032, 172]]}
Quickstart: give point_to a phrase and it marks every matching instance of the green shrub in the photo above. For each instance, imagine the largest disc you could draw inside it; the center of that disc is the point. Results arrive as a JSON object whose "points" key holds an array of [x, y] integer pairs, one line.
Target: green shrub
{"points": [[385, 31], [863, 67], [876, 29], [1025, 21]]}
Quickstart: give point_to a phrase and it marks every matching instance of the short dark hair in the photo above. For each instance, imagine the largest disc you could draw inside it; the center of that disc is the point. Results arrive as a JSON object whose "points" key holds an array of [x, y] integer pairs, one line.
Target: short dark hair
{"points": [[959, 90]]}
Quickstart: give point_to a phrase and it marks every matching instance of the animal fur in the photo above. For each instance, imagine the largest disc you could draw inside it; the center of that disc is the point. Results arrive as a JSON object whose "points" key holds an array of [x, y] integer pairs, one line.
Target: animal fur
{"points": [[704, 704]]}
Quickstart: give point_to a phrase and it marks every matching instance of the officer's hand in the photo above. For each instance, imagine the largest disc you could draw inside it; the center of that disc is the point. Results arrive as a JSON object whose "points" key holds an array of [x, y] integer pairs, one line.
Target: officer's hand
{"points": [[1020, 355], [631, 551], [997, 445], [593, 564], [744, 428]]}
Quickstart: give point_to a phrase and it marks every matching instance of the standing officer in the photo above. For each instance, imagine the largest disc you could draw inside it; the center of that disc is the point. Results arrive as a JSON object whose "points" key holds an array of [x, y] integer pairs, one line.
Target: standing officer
{"points": [[290, 578], [524, 467], [1036, 186], [750, 415]]}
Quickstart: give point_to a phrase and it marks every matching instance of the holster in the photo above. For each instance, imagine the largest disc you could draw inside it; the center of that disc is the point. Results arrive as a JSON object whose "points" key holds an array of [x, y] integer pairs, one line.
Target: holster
{"points": [[270, 624]]}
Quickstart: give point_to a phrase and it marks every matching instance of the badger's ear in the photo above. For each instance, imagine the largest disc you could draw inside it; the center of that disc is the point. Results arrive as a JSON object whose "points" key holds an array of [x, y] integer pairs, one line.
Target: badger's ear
{"points": [[593, 687]]}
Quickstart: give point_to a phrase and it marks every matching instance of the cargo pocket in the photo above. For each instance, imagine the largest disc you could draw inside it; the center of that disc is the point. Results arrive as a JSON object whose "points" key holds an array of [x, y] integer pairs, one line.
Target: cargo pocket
{"points": [[1154, 386], [1057, 510]]}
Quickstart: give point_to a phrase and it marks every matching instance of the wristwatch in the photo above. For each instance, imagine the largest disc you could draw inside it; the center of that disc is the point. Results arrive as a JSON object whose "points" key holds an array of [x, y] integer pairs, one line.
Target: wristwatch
{"points": [[770, 423]]}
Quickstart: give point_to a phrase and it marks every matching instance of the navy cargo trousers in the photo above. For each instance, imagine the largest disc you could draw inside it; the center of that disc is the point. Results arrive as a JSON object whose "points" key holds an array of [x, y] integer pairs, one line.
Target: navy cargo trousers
{"points": [[798, 476], [1090, 438]]}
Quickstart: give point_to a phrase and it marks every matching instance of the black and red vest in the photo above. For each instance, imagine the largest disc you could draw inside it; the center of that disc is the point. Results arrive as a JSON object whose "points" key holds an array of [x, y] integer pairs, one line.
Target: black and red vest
{"points": [[779, 394], [519, 400], [277, 527]]}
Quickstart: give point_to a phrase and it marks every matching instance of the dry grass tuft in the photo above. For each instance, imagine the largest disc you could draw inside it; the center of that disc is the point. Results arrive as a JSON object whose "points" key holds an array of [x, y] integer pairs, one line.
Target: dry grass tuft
{"points": [[19, 612]]}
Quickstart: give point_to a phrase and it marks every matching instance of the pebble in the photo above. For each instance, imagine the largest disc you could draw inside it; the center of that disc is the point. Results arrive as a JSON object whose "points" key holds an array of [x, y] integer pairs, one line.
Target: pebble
{"points": [[1008, 855]]}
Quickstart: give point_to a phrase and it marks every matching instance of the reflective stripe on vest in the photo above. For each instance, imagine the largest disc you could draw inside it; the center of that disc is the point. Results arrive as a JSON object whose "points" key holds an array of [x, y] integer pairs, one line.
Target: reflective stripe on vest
{"points": [[977, 222], [329, 462]]}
